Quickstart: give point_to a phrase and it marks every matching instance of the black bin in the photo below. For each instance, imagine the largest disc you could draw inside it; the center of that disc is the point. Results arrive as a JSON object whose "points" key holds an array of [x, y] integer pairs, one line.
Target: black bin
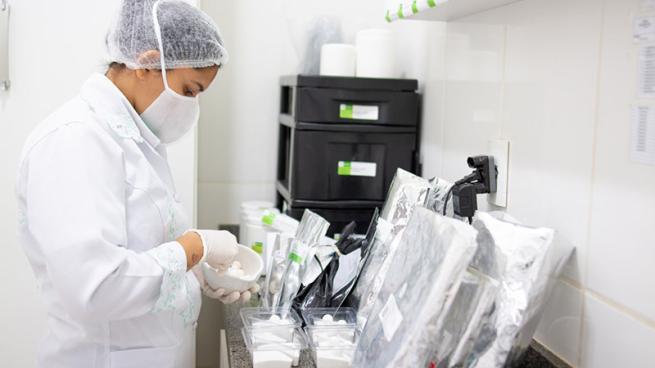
{"points": [[342, 100], [354, 163]]}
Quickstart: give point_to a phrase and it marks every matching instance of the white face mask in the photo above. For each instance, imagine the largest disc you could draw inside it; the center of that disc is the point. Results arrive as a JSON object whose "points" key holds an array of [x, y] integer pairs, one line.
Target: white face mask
{"points": [[171, 115]]}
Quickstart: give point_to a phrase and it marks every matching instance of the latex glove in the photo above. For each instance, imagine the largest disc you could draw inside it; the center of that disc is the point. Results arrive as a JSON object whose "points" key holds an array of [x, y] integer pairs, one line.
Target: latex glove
{"points": [[219, 247], [220, 294]]}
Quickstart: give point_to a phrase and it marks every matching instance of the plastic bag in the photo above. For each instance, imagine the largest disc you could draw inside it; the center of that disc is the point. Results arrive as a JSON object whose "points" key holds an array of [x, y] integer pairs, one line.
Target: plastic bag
{"points": [[320, 293], [470, 315], [406, 192], [276, 268], [324, 30], [410, 308], [526, 261], [311, 229], [342, 297]]}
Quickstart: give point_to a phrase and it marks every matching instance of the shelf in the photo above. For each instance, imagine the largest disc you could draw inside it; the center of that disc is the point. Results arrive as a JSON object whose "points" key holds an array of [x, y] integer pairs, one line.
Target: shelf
{"points": [[456, 9]]}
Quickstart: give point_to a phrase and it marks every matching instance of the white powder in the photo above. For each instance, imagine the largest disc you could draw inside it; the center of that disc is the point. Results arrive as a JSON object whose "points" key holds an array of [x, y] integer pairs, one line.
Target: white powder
{"points": [[271, 359], [340, 358], [334, 347], [274, 343]]}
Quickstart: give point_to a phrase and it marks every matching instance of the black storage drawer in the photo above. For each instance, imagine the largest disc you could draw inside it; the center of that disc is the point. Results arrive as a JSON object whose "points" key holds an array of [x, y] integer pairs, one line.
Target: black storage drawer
{"points": [[343, 100], [322, 105], [338, 218], [346, 165]]}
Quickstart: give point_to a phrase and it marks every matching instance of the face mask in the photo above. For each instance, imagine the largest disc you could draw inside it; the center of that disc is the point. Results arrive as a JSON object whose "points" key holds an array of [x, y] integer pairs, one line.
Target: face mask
{"points": [[171, 115]]}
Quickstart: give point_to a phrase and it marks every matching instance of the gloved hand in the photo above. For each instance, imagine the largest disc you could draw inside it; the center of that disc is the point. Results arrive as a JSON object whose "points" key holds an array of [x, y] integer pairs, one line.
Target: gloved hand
{"points": [[220, 294], [219, 247]]}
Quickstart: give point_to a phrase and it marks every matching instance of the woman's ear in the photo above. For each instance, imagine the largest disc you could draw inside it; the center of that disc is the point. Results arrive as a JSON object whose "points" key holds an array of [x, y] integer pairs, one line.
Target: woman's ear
{"points": [[147, 58]]}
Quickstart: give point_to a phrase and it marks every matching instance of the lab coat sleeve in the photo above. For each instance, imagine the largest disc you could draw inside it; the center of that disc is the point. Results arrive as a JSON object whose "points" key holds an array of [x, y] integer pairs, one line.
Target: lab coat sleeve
{"points": [[75, 195]]}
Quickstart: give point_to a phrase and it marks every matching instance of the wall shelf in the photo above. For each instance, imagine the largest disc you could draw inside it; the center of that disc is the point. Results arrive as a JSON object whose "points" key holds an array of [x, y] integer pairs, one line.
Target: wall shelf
{"points": [[456, 9]]}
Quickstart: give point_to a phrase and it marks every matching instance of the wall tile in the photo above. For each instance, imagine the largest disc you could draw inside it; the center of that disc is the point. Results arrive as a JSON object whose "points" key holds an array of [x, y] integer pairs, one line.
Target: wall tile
{"points": [[613, 339], [622, 253], [219, 203], [559, 329]]}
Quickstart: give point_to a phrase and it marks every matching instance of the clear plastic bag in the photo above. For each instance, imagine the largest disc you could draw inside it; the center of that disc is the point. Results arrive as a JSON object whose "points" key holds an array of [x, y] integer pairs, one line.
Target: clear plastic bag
{"points": [[410, 308], [311, 229], [276, 268], [526, 261], [324, 30]]}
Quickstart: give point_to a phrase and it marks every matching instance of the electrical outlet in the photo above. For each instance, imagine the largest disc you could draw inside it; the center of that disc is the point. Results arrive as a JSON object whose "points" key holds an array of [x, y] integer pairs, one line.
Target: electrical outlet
{"points": [[499, 149]]}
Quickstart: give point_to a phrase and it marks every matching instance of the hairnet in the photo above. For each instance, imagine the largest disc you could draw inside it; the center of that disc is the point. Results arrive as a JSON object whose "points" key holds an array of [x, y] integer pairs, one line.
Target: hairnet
{"points": [[189, 37]]}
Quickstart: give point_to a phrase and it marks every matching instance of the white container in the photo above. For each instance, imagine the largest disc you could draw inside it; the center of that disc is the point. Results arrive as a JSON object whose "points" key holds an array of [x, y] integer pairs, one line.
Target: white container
{"points": [[248, 210], [338, 59], [270, 349], [332, 347], [375, 54], [251, 264]]}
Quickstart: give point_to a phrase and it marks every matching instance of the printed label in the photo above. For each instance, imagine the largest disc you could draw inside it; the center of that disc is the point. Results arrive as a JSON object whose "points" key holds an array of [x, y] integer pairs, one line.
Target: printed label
{"points": [[258, 247], [644, 29], [359, 112], [357, 168], [391, 318], [299, 252]]}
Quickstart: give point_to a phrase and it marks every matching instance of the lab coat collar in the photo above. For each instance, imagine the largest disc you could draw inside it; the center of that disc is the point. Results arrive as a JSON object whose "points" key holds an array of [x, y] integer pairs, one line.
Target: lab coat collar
{"points": [[105, 98]]}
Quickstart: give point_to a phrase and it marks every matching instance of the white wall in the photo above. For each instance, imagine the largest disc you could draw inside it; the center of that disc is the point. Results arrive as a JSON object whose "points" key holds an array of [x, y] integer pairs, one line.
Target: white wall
{"points": [[238, 129], [54, 47], [557, 78]]}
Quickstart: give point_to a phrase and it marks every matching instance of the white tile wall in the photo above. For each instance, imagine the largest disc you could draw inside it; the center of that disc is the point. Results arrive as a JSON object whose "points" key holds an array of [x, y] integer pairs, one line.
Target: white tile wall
{"points": [[561, 323], [622, 251], [615, 339], [557, 79]]}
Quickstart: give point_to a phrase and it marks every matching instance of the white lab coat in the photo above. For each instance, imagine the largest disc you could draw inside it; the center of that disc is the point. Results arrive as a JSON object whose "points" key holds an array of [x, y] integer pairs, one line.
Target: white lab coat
{"points": [[98, 216]]}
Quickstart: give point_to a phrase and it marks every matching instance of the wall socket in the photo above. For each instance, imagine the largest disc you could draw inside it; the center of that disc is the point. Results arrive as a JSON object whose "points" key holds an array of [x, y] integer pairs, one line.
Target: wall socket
{"points": [[499, 149]]}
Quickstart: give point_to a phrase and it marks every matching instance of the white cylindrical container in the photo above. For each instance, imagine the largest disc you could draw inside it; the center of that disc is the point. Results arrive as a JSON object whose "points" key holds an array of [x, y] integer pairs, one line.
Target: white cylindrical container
{"points": [[250, 209], [338, 59], [375, 54]]}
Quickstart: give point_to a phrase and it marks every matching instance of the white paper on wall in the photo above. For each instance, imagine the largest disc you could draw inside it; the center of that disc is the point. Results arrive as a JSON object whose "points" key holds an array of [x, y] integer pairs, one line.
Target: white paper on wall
{"points": [[647, 6], [646, 71], [642, 137], [644, 29]]}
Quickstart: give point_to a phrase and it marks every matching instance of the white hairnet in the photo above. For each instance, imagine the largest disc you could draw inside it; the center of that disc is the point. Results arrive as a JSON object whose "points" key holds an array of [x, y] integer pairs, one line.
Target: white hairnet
{"points": [[190, 38]]}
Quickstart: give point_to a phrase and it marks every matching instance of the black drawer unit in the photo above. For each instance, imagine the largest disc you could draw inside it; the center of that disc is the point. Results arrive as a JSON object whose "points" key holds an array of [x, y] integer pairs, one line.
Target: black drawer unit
{"points": [[341, 100], [340, 143]]}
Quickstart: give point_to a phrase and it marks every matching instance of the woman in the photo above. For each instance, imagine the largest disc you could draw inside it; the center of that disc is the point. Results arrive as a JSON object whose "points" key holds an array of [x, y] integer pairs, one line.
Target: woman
{"points": [[99, 217]]}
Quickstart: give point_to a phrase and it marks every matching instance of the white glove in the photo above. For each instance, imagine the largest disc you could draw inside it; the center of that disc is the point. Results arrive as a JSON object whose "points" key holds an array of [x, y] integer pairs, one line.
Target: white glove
{"points": [[219, 250], [219, 247], [221, 294]]}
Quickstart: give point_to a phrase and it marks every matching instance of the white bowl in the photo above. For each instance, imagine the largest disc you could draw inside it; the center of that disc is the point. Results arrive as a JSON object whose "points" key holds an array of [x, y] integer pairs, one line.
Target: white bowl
{"points": [[251, 264]]}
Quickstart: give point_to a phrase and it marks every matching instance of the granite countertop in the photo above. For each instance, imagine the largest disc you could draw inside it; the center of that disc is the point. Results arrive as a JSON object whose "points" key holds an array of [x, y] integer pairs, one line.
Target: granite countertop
{"points": [[239, 357]]}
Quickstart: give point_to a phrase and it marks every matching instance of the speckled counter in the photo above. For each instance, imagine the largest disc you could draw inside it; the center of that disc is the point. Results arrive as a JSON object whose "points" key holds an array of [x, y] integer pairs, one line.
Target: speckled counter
{"points": [[239, 357]]}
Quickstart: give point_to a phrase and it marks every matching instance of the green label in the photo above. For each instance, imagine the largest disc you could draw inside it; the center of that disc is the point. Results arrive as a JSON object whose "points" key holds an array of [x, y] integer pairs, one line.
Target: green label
{"points": [[295, 258], [356, 168], [346, 111], [258, 247], [268, 219], [414, 7], [344, 168]]}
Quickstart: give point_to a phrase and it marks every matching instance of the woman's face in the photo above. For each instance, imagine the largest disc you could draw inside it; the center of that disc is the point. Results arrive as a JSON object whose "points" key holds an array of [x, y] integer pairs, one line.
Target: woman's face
{"points": [[188, 82]]}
